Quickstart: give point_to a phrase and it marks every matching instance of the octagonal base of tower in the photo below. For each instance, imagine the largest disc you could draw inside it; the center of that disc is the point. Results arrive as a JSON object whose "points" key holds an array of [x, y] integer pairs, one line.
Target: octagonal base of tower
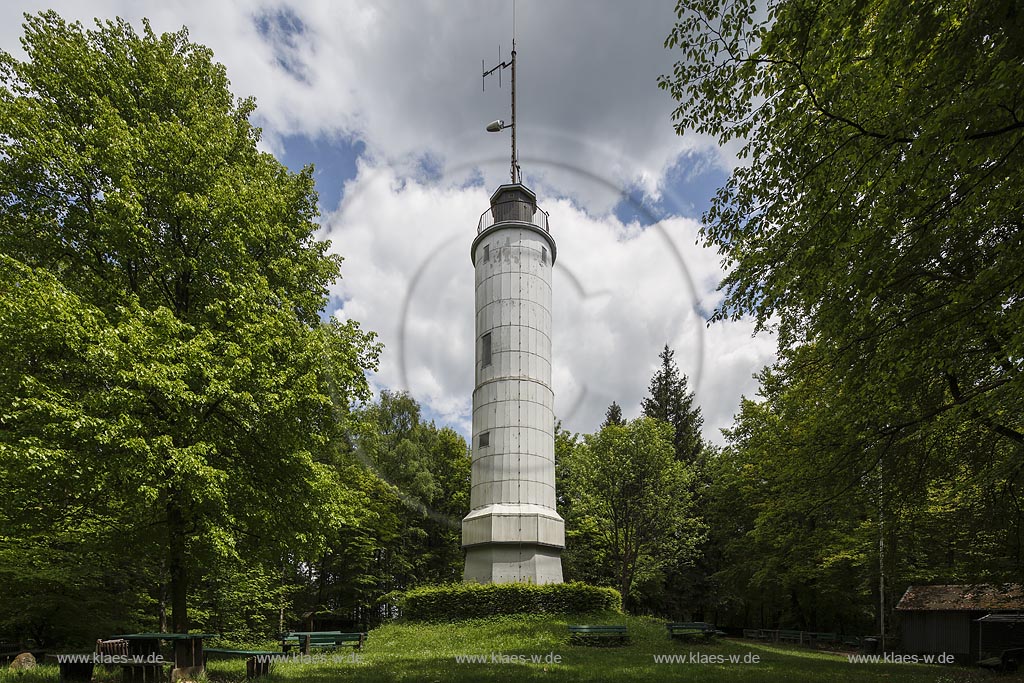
{"points": [[513, 543], [525, 563]]}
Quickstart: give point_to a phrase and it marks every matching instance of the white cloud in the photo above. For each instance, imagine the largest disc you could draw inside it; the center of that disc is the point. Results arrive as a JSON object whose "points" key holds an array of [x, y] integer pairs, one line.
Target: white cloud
{"points": [[404, 78]]}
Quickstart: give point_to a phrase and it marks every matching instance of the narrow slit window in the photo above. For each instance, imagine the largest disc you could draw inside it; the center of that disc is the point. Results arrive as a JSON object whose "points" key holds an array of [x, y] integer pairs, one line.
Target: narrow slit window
{"points": [[485, 440], [487, 253], [485, 351], [544, 255]]}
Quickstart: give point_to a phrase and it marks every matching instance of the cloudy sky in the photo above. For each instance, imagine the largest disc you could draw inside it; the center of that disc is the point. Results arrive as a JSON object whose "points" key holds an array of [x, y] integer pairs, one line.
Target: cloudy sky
{"points": [[385, 99]]}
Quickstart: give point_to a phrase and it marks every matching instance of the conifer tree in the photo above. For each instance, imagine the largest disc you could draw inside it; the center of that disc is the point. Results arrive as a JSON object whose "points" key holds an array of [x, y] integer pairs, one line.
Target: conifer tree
{"points": [[671, 401], [613, 416]]}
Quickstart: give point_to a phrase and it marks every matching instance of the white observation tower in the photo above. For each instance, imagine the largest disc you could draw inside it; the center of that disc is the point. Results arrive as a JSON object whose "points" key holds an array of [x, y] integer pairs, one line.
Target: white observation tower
{"points": [[513, 532]]}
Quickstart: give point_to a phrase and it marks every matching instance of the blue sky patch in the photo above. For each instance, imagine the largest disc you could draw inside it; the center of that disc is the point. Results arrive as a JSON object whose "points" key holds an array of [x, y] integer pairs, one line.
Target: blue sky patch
{"points": [[689, 186], [283, 30], [334, 160]]}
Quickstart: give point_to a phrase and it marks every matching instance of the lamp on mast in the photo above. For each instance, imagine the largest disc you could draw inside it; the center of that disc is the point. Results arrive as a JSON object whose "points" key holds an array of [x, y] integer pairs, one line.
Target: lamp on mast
{"points": [[500, 125]]}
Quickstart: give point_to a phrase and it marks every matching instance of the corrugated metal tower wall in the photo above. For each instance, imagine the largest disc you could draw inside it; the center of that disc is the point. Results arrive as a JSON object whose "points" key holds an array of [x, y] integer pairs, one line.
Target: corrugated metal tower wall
{"points": [[513, 532]]}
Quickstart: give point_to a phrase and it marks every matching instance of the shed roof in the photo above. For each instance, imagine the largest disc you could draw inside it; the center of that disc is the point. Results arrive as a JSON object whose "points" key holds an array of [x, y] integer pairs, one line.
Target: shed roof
{"points": [[968, 597]]}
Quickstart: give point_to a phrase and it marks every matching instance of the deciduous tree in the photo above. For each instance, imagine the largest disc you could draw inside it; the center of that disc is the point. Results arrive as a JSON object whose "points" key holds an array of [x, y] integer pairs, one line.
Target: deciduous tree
{"points": [[876, 213], [875, 223], [185, 390], [632, 497]]}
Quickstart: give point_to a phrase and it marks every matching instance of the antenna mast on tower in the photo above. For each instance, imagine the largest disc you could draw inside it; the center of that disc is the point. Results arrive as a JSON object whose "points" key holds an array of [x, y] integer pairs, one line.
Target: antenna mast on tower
{"points": [[499, 125]]}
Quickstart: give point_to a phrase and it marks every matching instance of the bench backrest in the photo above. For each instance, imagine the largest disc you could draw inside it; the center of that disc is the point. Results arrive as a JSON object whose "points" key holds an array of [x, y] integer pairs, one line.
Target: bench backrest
{"points": [[118, 646], [597, 629], [323, 638]]}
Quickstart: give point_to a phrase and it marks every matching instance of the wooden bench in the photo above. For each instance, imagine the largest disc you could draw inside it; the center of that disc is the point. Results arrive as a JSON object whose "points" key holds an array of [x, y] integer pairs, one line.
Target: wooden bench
{"points": [[1008, 661], [112, 648], [598, 635], [305, 640], [257, 662], [691, 629], [790, 635], [144, 672], [824, 637]]}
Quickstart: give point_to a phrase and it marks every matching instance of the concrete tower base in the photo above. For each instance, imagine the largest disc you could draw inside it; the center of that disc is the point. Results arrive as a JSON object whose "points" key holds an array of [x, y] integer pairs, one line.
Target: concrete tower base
{"points": [[513, 543], [525, 563]]}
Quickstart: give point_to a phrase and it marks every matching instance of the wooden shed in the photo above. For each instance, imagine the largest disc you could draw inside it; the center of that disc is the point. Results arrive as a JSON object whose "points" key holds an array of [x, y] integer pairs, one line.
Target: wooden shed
{"points": [[947, 619]]}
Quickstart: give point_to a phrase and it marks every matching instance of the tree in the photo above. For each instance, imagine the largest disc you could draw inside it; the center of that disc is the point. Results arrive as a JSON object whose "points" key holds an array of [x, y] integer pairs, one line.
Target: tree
{"points": [[796, 531], [415, 481], [184, 394], [613, 416], [876, 218], [631, 495], [428, 475], [783, 558], [671, 401], [584, 557]]}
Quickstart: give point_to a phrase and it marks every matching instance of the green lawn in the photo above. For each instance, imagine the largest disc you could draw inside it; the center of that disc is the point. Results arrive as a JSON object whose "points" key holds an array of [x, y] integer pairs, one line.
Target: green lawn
{"points": [[420, 652]]}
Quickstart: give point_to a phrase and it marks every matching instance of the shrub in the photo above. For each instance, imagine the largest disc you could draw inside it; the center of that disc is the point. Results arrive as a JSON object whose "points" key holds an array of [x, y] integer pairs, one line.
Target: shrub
{"points": [[474, 600]]}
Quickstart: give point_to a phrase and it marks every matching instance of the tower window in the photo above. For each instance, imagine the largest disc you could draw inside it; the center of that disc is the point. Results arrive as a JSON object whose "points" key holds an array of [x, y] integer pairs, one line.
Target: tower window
{"points": [[543, 254], [485, 440], [485, 351], [487, 253]]}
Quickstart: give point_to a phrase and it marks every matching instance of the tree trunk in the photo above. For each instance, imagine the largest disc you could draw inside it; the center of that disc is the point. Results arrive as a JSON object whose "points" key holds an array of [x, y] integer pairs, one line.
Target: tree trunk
{"points": [[178, 565], [284, 580], [163, 607]]}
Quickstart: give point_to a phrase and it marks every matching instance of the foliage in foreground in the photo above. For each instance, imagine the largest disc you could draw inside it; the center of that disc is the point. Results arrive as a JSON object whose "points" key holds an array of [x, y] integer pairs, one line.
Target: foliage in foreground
{"points": [[171, 399], [414, 478], [629, 494], [474, 600], [876, 226]]}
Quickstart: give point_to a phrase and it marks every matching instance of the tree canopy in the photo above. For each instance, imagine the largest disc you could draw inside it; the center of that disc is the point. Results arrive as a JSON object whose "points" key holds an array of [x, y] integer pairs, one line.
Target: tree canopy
{"points": [[168, 381], [631, 505], [874, 222], [877, 214], [613, 416]]}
